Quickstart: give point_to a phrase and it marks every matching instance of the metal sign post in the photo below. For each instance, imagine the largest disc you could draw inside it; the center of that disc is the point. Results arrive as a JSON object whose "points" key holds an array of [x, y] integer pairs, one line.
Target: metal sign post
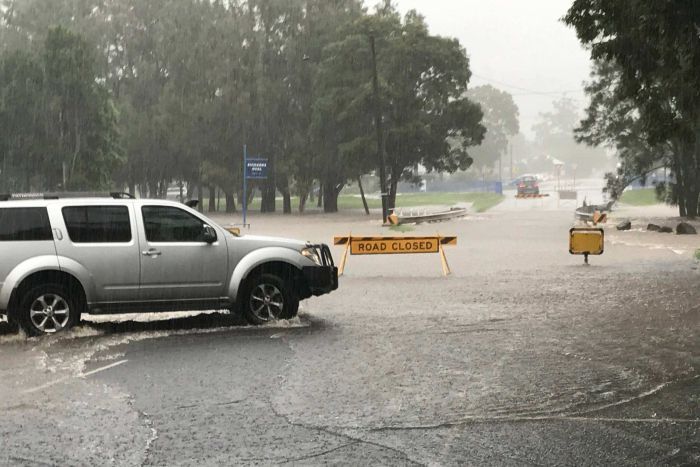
{"points": [[245, 185]]}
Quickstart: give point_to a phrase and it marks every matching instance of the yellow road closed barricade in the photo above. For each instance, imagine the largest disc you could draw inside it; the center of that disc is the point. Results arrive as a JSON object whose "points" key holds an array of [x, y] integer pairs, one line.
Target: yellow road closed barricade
{"points": [[394, 245], [586, 241]]}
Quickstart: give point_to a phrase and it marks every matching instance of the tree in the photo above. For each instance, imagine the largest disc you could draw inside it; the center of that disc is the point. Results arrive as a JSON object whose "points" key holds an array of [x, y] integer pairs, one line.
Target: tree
{"points": [[81, 117], [192, 81], [423, 81], [322, 23], [614, 121], [658, 56], [23, 139], [554, 137], [60, 125], [500, 120]]}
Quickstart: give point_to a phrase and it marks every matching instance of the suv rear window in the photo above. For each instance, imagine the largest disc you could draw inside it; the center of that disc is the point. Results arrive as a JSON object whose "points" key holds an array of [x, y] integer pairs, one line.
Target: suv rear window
{"points": [[98, 224], [24, 224]]}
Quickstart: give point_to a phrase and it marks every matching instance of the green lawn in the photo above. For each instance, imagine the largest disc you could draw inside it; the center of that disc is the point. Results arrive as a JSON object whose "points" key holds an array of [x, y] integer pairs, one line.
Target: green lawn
{"points": [[640, 197], [481, 201], [697, 254]]}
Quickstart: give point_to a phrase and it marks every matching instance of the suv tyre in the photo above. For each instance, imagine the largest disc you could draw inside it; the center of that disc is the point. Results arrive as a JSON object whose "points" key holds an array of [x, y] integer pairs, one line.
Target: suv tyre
{"points": [[47, 309], [266, 298]]}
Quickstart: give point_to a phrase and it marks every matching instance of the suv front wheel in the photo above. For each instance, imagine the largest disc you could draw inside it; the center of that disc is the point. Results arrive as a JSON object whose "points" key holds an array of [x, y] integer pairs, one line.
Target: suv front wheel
{"points": [[46, 309], [267, 297]]}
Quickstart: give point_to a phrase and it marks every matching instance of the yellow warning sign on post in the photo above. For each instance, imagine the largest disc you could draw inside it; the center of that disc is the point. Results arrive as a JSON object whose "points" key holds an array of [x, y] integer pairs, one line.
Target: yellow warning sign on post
{"points": [[394, 245], [586, 241]]}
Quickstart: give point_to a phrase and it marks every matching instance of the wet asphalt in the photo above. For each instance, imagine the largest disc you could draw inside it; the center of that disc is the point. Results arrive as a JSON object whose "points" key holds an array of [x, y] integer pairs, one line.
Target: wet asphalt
{"points": [[523, 356]]}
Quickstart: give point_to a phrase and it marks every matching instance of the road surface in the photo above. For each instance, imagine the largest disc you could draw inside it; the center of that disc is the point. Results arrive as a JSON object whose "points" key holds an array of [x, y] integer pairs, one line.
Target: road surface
{"points": [[522, 356]]}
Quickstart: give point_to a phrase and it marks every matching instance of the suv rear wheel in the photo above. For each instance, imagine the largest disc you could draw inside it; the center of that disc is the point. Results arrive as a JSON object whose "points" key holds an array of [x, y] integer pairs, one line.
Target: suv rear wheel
{"points": [[47, 309], [267, 297]]}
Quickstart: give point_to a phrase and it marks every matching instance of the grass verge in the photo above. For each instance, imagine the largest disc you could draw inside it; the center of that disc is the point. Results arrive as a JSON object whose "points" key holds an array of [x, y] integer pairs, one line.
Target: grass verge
{"points": [[402, 228], [640, 197], [697, 254], [480, 201]]}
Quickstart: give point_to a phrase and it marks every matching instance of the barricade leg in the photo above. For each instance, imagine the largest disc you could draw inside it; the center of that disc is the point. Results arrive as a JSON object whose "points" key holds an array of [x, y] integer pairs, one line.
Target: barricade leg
{"points": [[344, 258], [445, 266]]}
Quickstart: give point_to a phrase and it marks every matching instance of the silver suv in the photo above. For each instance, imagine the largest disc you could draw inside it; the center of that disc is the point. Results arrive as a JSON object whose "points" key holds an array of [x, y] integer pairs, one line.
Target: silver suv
{"points": [[61, 256]]}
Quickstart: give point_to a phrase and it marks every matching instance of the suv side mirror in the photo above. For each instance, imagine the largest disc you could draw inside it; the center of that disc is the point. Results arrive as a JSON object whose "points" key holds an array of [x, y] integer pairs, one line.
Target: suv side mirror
{"points": [[209, 234]]}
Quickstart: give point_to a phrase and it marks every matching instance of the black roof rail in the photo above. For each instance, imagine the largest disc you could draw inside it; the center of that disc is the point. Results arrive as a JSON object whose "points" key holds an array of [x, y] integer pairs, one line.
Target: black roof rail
{"points": [[66, 194], [121, 195]]}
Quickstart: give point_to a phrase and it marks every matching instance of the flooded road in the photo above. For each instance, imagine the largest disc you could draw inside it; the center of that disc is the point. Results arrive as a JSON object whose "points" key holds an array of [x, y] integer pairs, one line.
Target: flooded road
{"points": [[522, 356]]}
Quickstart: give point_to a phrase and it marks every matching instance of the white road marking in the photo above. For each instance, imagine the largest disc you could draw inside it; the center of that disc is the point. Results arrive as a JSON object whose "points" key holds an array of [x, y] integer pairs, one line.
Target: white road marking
{"points": [[106, 367], [66, 378], [47, 385]]}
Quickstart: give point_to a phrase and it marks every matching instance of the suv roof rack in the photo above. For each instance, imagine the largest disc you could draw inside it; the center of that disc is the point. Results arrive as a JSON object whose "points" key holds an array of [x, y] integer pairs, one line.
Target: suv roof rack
{"points": [[65, 194]]}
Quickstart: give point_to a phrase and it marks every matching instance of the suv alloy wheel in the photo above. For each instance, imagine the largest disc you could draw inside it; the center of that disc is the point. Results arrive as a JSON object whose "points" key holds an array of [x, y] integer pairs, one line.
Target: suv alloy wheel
{"points": [[267, 298], [46, 309]]}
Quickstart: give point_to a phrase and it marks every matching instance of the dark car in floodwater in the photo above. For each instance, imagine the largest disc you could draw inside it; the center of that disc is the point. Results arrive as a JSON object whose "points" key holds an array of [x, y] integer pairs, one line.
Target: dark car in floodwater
{"points": [[528, 185]]}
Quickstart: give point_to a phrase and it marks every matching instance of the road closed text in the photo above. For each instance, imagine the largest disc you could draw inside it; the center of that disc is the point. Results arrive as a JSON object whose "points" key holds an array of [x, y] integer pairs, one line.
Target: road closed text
{"points": [[388, 246]]}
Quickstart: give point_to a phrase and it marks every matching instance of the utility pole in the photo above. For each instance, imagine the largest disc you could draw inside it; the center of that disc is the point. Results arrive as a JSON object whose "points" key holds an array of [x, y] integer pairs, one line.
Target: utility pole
{"points": [[378, 125], [510, 144]]}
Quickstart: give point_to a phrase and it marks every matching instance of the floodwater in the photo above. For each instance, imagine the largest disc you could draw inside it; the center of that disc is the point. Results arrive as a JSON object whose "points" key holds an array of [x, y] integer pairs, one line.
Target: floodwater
{"points": [[522, 355]]}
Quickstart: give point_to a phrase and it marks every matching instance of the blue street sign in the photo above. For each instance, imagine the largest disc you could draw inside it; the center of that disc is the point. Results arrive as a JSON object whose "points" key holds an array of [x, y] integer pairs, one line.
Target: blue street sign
{"points": [[256, 169]]}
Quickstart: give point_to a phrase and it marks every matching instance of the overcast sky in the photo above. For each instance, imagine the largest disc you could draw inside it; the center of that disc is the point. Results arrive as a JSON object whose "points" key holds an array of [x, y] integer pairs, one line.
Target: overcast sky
{"points": [[517, 45]]}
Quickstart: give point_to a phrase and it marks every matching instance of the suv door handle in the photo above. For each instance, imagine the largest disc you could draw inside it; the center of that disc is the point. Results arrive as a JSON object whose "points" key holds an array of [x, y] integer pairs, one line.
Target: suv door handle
{"points": [[151, 252]]}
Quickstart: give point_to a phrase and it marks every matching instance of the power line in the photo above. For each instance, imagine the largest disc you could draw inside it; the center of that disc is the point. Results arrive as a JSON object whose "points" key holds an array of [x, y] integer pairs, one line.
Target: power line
{"points": [[526, 91]]}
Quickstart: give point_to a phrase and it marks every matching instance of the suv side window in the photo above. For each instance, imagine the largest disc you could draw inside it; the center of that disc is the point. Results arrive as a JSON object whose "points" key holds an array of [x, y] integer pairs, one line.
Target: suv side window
{"points": [[24, 224], [170, 224], [98, 224]]}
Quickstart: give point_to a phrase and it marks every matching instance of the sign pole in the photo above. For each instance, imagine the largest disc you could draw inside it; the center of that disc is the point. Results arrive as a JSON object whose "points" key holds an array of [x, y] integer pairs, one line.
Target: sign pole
{"points": [[245, 184]]}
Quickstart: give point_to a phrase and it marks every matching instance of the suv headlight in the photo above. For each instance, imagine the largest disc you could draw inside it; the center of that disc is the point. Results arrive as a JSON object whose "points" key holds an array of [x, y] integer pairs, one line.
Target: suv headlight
{"points": [[312, 254]]}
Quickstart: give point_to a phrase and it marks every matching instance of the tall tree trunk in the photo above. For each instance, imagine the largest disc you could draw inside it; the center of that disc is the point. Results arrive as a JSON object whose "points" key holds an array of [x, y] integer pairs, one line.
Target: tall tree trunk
{"points": [[286, 202], [391, 202], [302, 200], [694, 175], [250, 196], [320, 195], [286, 195], [153, 189], [678, 189], [692, 204], [212, 199], [330, 197], [230, 202], [362, 194], [268, 202], [200, 197], [686, 177]]}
